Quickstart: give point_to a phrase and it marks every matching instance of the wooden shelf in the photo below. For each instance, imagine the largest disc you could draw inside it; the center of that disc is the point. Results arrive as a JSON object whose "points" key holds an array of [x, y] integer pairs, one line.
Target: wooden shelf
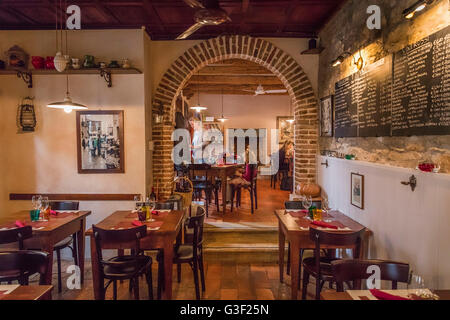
{"points": [[105, 73]]}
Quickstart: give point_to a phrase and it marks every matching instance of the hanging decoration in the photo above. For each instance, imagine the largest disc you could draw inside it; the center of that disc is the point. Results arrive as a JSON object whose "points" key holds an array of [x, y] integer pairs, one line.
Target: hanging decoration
{"points": [[198, 108], [26, 115]]}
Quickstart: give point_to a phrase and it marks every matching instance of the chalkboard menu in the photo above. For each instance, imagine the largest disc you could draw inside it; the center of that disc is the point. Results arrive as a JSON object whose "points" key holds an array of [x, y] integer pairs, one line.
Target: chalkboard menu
{"points": [[421, 88], [404, 94]]}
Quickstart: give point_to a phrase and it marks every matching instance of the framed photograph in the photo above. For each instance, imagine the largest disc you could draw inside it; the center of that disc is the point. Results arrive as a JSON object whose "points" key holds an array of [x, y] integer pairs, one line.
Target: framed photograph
{"points": [[357, 190], [286, 129], [326, 116], [100, 142]]}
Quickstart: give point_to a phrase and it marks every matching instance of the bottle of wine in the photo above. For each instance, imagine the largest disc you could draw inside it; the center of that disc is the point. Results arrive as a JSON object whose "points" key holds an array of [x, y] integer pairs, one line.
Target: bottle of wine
{"points": [[153, 195]]}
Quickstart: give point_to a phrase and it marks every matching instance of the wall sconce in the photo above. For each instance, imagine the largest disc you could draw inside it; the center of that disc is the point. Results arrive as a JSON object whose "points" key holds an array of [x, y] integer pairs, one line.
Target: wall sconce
{"points": [[26, 115], [358, 62], [409, 13], [158, 113]]}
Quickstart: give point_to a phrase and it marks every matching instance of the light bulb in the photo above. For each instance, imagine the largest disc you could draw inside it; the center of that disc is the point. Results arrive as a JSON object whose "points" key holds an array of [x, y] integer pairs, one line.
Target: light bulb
{"points": [[410, 15], [421, 7], [67, 109]]}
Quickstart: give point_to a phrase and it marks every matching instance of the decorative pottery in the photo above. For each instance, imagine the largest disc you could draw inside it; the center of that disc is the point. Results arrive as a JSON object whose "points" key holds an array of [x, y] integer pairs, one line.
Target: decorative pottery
{"points": [[76, 63], [88, 61], [38, 62], [113, 64], [16, 58], [49, 64], [126, 63], [102, 65], [60, 62]]}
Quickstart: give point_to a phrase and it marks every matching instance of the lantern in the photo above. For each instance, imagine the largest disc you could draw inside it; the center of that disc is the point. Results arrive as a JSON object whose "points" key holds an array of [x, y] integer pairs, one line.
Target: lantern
{"points": [[27, 117]]}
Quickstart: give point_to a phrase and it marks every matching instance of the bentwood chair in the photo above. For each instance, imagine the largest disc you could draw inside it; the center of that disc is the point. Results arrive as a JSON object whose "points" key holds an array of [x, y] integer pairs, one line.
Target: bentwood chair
{"points": [[69, 242], [203, 184], [352, 271], [125, 267], [16, 235], [236, 190], [296, 205], [20, 265], [320, 267], [191, 251]]}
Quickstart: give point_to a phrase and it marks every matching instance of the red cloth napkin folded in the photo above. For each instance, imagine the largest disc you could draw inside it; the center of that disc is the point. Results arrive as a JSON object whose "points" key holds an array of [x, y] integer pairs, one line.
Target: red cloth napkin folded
{"points": [[323, 224], [20, 224], [53, 213], [381, 295], [155, 212], [137, 223]]}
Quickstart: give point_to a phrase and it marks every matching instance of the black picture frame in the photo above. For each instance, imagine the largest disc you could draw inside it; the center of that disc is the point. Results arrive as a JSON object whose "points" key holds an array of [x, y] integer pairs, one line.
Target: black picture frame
{"points": [[357, 190]]}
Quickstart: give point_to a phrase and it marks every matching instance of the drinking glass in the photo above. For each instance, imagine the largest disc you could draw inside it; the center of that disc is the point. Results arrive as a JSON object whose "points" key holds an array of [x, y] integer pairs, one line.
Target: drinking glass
{"points": [[138, 203], [417, 285], [44, 206], [152, 207], [307, 202]]}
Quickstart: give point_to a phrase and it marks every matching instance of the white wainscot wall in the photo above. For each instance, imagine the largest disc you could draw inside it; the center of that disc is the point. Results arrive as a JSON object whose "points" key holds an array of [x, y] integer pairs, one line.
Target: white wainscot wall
{"points": [[412, 227]]}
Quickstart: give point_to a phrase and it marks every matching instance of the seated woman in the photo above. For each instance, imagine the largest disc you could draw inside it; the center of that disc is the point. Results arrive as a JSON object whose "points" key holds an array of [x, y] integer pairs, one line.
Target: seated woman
{"points": [[243, 177]]}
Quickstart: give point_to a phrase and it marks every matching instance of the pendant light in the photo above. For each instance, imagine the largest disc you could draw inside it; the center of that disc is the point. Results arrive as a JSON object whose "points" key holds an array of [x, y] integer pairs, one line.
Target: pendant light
{"points": [[67, 104], [198, 108], [291, 120], [222, 118]]}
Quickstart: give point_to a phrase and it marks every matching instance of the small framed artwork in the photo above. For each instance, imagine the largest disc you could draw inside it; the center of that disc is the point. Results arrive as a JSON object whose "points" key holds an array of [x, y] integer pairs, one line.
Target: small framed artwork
{"points": [[286, 129], [357, 190], [100, 142], [326, 116]]}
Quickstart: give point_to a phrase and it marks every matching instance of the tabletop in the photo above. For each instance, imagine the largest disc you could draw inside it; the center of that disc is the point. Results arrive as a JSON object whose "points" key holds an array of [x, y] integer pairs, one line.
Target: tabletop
{"points": [[16, 292]]}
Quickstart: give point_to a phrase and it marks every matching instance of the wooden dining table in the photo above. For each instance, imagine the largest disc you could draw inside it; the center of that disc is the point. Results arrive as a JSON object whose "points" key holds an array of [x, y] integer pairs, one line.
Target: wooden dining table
{"points": [[295, 229], [33, 292], [346, 295], [169, 232], [48, 233], [222, 172]]}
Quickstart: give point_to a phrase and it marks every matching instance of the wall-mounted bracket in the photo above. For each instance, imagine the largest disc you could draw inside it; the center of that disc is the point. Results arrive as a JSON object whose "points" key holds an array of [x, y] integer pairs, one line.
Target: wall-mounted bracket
{"points": [[325, 163], [107, 76], [412, 182], [27, 77]]}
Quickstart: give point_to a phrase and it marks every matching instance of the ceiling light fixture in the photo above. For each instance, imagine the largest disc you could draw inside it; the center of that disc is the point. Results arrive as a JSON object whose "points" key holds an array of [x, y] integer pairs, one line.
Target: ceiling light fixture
{"points": [[67, 104], [409, 13], [222, 119], [198, 108], [340, 59]]}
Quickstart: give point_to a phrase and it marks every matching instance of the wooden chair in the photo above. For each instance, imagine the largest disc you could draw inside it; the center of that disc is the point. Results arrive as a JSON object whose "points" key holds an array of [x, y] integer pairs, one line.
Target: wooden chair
{"points": [[236, 190], [20, 265], [320, 267], [203, 183], [123, 267], [16, 235], [352, 271], [69, 242], [192, 252], [297, 205]]}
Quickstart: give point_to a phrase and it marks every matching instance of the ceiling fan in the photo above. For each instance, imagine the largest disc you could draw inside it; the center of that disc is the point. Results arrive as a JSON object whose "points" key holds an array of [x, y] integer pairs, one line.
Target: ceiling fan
{"points": [[260, 90], [209, 14]]}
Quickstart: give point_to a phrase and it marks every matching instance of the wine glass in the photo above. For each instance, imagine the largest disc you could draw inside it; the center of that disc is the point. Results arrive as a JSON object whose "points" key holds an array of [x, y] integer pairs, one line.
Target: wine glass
{"points": [[137, 201], [307, 202], [416, 285], [152, 207], [44, 206]]}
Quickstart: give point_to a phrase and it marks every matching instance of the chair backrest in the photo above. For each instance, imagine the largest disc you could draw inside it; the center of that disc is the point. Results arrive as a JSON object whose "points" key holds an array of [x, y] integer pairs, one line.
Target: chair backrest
{"points": [[64, 205], [336, 239], [196, 223], [299, 204], [355, 270], [164, 206], [16, 235], [28, 262], [198, 167], [118, 237]]}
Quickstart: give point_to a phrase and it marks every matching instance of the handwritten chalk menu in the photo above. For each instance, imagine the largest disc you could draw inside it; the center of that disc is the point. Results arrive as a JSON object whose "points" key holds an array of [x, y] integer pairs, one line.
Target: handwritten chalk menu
{"points": [[404, 94], [421, 87], [345, 109]]}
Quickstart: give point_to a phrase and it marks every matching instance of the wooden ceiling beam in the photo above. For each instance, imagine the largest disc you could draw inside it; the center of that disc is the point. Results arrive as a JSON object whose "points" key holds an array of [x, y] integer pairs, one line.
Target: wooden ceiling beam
{"points": [[19, 15], [234, 80], [105, 12], [153, 15]]}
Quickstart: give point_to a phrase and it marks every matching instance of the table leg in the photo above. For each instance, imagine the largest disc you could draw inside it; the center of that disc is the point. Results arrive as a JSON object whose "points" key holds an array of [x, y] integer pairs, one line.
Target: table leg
{"points": [[224, 190], [295, 260], [281, 244], [81, 245], [168, 268], [48, 247], [95, 276]]}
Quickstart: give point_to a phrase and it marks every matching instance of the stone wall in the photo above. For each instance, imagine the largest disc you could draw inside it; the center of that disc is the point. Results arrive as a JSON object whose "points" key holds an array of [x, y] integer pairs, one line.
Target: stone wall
{"points": [[347, 31]]}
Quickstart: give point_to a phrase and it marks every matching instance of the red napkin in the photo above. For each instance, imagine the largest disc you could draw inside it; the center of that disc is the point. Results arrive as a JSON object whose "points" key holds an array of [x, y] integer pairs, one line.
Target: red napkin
{"points": [[323, 224], [137, 223], [155, 212], [53, 213], [381, 295], [19, 224]]}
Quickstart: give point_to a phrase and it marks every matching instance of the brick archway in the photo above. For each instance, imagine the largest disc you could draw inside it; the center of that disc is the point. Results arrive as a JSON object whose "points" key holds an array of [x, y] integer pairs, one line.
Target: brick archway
{"points": [[247, 48]]}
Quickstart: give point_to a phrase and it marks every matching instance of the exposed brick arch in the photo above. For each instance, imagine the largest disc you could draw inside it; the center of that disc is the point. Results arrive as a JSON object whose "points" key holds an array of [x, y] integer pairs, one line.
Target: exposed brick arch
{"points": [[241, 47]]}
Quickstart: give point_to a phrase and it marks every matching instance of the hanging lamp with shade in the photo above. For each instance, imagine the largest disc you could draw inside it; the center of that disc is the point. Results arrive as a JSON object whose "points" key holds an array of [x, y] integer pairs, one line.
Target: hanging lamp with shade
{"points": [[222, 118], [60, 61], [67, 104], [198, 108]]}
